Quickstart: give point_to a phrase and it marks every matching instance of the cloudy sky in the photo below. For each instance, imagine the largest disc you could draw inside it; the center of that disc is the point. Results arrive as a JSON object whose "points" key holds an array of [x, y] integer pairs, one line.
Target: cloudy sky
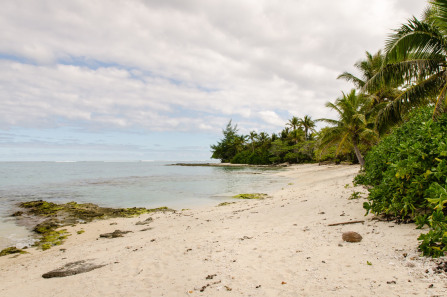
{"points": [[159, 79]]}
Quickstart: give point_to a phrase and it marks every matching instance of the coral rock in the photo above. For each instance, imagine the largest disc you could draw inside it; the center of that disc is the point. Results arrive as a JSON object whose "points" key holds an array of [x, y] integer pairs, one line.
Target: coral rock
{"points": [[351, 237]]}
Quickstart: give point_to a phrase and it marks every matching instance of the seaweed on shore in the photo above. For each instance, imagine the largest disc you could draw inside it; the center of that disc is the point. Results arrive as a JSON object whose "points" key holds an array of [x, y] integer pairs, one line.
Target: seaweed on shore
{"points": [[56, 216], [11, 250], [251, 196]]}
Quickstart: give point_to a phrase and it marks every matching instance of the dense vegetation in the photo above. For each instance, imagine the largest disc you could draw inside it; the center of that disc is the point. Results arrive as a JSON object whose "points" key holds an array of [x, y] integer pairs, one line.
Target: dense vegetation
{"points": [[407, 171], [396, 115], [294, 144]]}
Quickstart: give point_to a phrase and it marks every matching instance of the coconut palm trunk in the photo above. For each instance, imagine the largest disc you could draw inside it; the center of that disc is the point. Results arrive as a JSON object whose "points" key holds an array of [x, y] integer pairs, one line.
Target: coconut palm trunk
{"points": [[358, 154]]}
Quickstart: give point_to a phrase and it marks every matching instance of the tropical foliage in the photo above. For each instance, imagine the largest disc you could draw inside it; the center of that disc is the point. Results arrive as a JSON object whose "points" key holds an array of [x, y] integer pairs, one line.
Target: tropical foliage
{"points": [[407, 171], [415, 62], [352, 127]]}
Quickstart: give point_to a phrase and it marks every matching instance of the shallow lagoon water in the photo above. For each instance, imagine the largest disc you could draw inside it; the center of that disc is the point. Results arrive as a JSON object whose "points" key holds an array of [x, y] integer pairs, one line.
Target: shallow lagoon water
{"points": [[122, 184]]}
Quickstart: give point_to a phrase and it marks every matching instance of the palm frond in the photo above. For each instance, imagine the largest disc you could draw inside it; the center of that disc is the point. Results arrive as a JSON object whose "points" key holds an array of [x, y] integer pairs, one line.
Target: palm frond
{"points": [[414, 96], [413, 37], [359, 83], [440, 15], [329, 121]]}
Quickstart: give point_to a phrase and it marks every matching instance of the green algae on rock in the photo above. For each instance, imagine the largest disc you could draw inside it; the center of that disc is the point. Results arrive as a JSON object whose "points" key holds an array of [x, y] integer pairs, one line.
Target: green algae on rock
{"points": [[11, 250], [59, 215], [52, 238], [251, 196], [73, 212]]}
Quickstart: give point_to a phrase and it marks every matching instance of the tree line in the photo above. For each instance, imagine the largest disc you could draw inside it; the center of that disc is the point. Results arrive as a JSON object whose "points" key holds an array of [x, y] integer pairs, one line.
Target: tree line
{"points": [[294, 144]]}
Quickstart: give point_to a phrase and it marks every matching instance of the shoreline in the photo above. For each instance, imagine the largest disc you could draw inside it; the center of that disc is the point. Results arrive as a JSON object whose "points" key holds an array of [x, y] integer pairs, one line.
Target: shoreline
{"points": [[229, 165], [279, 246]]}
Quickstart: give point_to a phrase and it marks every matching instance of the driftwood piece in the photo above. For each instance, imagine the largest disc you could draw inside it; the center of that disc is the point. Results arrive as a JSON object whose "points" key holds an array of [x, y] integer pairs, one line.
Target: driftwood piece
{"points": [[347, 223]]}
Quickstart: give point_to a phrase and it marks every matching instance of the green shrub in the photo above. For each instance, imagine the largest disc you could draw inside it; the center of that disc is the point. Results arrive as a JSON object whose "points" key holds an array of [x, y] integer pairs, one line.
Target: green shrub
{"points": [[405, 172]]}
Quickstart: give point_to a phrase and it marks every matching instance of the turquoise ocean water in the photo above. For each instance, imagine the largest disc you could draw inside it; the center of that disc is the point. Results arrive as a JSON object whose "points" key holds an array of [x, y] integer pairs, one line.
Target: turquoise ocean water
{"points": [[122, 184]]}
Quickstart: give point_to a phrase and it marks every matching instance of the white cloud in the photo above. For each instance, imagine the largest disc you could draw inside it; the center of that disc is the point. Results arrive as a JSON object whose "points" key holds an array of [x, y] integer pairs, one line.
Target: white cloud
{"points": [[182, 65], [272, 118]]}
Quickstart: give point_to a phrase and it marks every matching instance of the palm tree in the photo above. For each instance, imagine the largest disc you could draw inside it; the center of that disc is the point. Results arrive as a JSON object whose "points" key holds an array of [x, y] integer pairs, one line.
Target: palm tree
{"points": [[285, 133], [293, 123], [253, 136], [263, 138], [308, 126], [368, 68], [297, 136], [415, 59], [352, 126]]}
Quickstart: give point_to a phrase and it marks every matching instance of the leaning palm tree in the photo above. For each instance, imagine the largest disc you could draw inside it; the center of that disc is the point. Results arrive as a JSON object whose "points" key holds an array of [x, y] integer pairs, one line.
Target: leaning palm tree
{"points": [[352, 125], [415, 59], [308, 125]]}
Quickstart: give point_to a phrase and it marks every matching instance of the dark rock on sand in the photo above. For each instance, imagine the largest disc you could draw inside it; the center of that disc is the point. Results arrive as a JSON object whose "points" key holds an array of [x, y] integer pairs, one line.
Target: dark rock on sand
{"points": [[351, 236], [72, 269], [145, 222], [114, 234]]}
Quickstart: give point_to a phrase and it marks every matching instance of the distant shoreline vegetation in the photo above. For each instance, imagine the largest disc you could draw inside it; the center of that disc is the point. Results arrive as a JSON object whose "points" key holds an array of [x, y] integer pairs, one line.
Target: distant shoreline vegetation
{"points": [[297, 143]]}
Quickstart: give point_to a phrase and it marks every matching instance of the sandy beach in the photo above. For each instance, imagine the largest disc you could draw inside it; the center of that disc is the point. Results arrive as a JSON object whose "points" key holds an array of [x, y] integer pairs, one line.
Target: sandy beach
{"points": [[279, 246]]}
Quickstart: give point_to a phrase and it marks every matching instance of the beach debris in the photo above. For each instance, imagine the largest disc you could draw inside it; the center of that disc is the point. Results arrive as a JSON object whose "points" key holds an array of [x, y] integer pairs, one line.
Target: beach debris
{"points": [[114, 223], [347, 223], [351, 236], [228, 288], [145, 222], [441, 267], [73, 268], [12, 250], [225, 203], [211, 276], [391, 282], [147, 229], [251, 196], [283, 283], [114, 234], [245, 237]]}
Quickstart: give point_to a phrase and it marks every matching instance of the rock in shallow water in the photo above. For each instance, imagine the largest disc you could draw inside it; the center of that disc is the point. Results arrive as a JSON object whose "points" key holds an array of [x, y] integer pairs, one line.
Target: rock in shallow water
{"points": [[351, 236]]}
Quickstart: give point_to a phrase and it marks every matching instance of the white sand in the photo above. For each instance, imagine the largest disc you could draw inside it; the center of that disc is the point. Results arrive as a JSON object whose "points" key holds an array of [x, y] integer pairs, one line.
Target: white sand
{"points": [[280, 246]]}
